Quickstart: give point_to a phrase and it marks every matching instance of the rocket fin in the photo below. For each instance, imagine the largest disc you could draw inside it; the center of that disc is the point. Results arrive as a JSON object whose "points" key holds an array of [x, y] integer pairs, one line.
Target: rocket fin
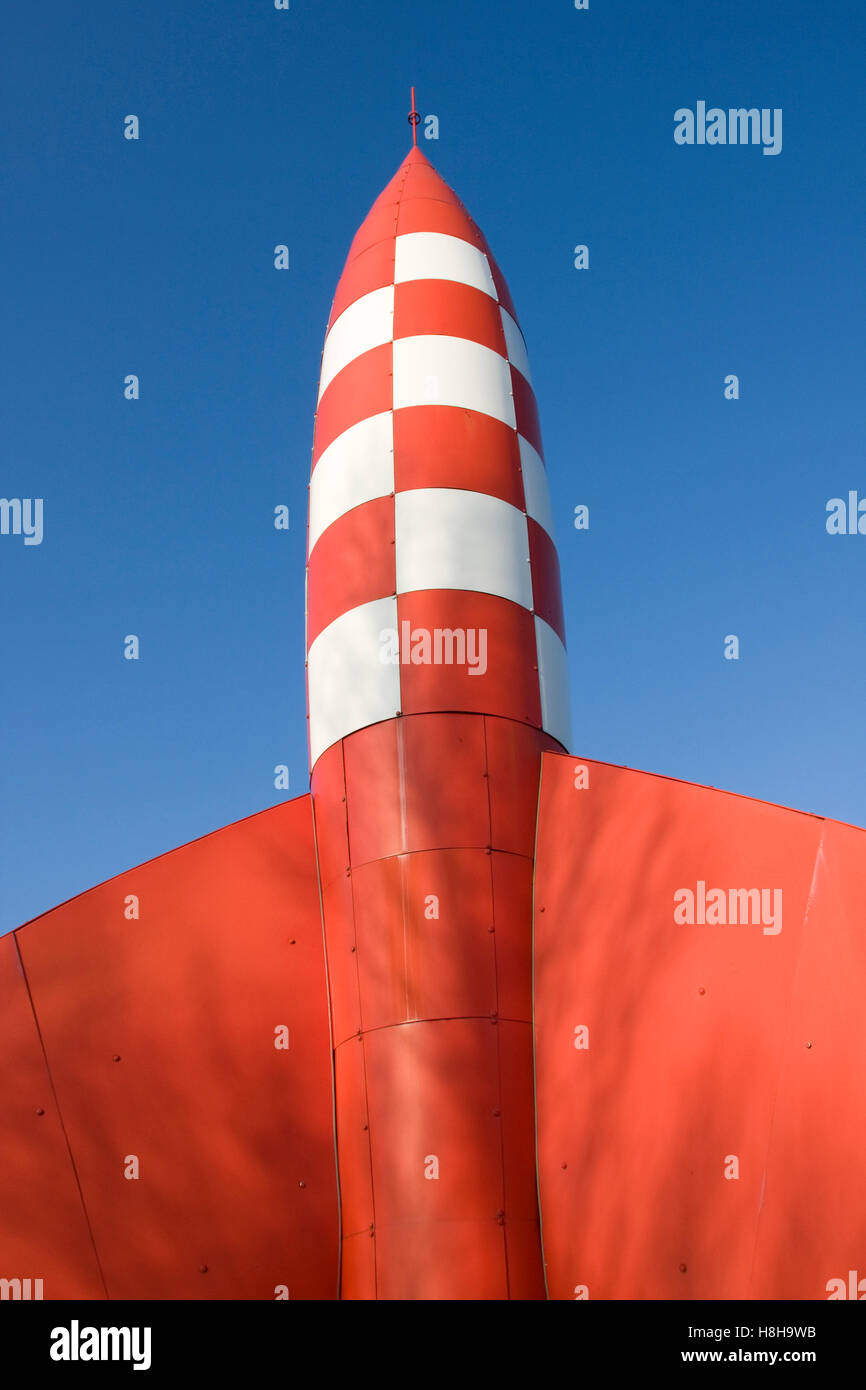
{"points": [[698, 1133], [167, 1092]]}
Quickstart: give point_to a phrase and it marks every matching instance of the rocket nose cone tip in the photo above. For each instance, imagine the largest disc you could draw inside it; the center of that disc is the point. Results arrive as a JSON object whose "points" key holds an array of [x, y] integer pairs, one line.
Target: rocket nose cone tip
{"points": [[416, 156]]}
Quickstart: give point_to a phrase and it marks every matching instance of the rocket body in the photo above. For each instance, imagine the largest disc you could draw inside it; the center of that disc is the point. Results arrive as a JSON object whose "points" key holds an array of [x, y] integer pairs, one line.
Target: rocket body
{"points": [[436, 676]]}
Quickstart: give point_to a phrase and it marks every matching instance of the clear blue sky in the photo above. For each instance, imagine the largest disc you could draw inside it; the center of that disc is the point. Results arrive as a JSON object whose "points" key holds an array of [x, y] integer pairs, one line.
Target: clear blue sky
{"points": [[259, 127]]}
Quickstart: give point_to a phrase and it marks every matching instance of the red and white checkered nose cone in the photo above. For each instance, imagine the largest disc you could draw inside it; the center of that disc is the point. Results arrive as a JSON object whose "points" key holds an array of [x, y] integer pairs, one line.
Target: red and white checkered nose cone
{"points": [[432, 577]]}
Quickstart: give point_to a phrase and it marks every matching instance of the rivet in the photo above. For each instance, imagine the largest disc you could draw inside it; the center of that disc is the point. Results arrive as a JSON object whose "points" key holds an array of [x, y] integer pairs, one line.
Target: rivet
{"points": [[291, 941], [541, 909], [116, 1057], [365, 1126], [202, 1269], [701, 990], [497, 1113], [39, 1110], [683, 1269], [563, 1165], [491, 930], [808, 1044], [352, 948], [302, 1184], [500, 1218], [493, 1018]]}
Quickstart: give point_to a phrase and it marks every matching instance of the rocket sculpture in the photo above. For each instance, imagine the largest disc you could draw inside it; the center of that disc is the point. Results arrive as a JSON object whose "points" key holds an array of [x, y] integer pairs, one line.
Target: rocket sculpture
{"points": [[438, 1029], [436, 676]]}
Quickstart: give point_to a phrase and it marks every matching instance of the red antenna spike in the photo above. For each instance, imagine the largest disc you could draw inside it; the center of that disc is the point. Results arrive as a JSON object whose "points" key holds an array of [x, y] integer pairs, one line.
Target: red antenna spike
{"points": [[414, 118]]}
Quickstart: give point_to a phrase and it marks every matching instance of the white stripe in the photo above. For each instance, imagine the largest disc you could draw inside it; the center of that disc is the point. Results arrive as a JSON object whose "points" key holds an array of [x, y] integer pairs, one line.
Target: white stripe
{"points": [[535, 489], [553, 680], [436, 370], [434, 256], [450, 539], [366, 324], [355, 468], [349, 686], [514, 345]]}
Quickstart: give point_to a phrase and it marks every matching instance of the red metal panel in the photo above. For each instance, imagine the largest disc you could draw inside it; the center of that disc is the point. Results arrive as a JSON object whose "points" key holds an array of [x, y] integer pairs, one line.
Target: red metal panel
{"points": [[431, 215], [450, 308], [526, 410], [422, 181], [379, 225], [397, 797], [445, 1260], [329, 805], [422, 1113], [444, 789], [160, 1036], [372, 270], [43, 1226], [352, 563], [363, 388], [696, 1051], [507, 687], [377, 900], [513, 766], [523, 1253], [342, 959], [359, 1267], [516, 1107], [812, 1228], [374, 804], [424, 945], [546, 584], [353, 1140], [499, 281], [512, 903], [443, 446]]}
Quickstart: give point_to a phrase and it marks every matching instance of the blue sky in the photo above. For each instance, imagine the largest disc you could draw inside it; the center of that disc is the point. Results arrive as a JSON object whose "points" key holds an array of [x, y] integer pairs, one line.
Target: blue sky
{"points": [[155, 257]]}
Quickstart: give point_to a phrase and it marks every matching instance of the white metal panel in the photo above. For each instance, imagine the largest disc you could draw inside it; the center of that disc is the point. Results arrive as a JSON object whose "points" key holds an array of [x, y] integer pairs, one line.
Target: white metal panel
{"points": [[435, 256], [450, 539], [438, 370], [355, 468], [553, 680], [535, 489], [514, 345], [349, 684], [366, 324]]}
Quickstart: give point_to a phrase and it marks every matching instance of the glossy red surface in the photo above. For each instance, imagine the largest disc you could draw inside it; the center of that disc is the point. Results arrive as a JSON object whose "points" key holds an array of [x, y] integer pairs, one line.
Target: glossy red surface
{"points": [[706, 1142], [159, 1038]]}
